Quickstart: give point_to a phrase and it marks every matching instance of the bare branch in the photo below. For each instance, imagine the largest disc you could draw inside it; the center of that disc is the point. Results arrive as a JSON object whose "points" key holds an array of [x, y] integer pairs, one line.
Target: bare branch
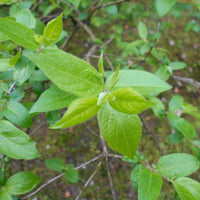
{"points": [[61, 175], [88, 181]]}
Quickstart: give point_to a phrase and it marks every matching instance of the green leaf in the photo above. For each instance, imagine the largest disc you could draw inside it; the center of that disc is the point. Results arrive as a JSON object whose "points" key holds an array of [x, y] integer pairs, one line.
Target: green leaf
{"points": [[54, 28], [22, 34], [177, 65], [149, 185], [17, 113], [71, 174], [55, 164], [135, 175], [114, 78], [79, 111], [163, 73], [176, 103], [22, 183], [3, 37], [197, 3], [112, 10], [53, 117], [195, 147], [121, 131], [158, 108], [143, 82], [4, 195], [4, 64], [177, 165], [128, 100], [187, 188], [142, 30], [15, 143], [15, 58], [182, 125], [164, 6], [100, 65], [52, 99], [25, 17], [23, 70], [68, 72], [175, 138]]}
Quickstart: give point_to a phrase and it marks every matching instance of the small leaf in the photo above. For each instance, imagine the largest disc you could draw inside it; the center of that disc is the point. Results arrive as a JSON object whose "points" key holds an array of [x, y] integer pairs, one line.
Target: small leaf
{"points": [[55, 164], [53, 99], [177, 165], [100, 65], [15, 143], [142, 30], [176, 103], [15, 58], [17, 113], [177, 65], [182, 125], [164, 6], [149, 185], [71, 174], [135, 175], [79, 111], [121, 131], [128, 100], [114, 78], [25, 17], [22, 34], [54, 28], [187, 188], [4, 64], [22, 183]]}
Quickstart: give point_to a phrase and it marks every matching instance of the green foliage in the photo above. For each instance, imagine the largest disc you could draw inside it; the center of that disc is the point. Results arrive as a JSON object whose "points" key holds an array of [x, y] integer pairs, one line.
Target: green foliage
{"points": [[22, 34], [177, 165], [149, 185], [122, 133], [15, 143], [55, 164], [142, 30]]}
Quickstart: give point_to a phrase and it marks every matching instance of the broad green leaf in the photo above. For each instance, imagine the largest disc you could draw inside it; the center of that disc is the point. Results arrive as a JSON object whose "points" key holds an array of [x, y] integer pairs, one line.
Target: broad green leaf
{"points": [[163, 73], [190, 109], [177, 165], [21, 35], [100, 65], [176, 103], [68, 72], [149, 185], [4, 194], [175, 137], [15, 58], [23, 70], [128, 100], [142, 30], [54, 28], [4, 64], [135, 175], [164, 6], [52, 99], [22, 183], [3, 37], [187, 188], [17, 113], [177, 65], [182, 125], [55, 164], [79, 111], [121, 131], [145, 83], [25, 17], [71, 174], [15, 143], [53, 117]]}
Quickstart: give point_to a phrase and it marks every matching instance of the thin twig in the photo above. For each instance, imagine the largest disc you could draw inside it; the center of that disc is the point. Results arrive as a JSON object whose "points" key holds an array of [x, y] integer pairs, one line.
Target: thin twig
{"points": [[88, 181], [37, 128], [2, 157], [187, 80], [105, 151], [11, 88], [61, 175]]}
